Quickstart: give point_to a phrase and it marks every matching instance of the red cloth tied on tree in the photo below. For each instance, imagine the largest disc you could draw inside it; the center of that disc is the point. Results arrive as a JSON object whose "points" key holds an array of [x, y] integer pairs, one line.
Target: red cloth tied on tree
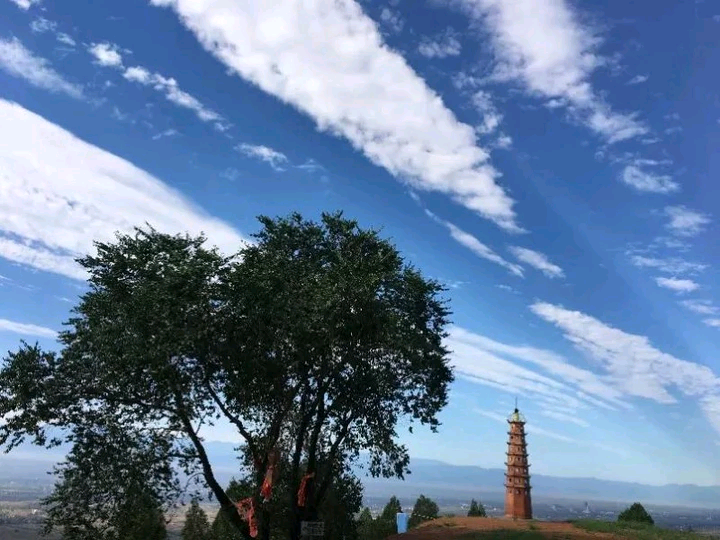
{"points": [[246, 509], [270, 475], [302, 492]]}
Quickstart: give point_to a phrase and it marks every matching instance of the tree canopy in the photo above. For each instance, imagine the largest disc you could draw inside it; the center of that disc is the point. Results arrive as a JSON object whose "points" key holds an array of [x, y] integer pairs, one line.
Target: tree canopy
{"points": [[196, 526], [476, 509], [425, 509], [636, 513], [313, 341]]}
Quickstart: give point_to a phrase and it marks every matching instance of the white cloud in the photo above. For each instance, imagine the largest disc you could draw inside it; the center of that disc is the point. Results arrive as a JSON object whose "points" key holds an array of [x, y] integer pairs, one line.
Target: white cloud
{"points": [[541, 45], [329, 61], [272, 157], [25, 4], [670, 266], [169, 87], [18, 61], [42, 25], [537, 260], [167, 133], [507, 288], [311, 166], [715, 323], [230, 174], [441, 46], [65, 39], [392, 20], [632, 363], [686, 222], [106, 54], [59, 193], [476, 246], [638, 79], [26, 329], [482, 102], [677, 285], [648, 182], [533, 429], [578, 385], [703, 307], [565, 417]]}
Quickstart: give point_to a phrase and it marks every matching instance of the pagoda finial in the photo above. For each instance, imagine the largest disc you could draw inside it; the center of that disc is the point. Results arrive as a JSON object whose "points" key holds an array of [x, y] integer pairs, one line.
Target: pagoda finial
{"points": [[516, 408]]}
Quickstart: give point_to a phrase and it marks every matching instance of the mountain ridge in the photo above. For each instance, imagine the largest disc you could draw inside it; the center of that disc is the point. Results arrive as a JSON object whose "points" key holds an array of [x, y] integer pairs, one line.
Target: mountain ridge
{"points": [[434, 477]]}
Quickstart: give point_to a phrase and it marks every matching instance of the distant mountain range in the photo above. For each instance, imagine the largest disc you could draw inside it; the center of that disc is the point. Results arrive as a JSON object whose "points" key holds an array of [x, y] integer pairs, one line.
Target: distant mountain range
{"points": [[433, 478]]}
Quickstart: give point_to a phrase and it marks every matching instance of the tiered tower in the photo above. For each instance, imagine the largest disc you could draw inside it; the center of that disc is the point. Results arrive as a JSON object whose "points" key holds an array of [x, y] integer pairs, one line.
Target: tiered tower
{"points": [[517, 477]]}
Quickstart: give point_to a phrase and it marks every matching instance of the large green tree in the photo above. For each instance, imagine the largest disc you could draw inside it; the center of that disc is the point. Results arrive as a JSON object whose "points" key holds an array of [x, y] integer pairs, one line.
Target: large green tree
{"points": [[314, 340]]}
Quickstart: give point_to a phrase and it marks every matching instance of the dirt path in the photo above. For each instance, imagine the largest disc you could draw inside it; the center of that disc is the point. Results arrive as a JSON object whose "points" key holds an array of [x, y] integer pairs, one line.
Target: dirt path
{"points": [[449, 528]]}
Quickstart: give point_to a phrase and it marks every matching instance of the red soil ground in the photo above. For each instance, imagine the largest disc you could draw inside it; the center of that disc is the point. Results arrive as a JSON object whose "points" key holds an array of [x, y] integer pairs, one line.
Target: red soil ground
{"points": [[449, 528]]}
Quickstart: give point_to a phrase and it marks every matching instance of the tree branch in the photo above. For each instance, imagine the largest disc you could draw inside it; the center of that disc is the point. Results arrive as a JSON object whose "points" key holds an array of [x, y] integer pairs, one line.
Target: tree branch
{"points": [[226, 505], [234, 420]]}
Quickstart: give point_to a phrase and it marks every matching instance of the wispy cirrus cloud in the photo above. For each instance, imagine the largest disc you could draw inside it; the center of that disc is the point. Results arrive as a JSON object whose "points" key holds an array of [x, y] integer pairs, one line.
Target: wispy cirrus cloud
{"points": [[20, 62], [277, 160], [562, 383], [392, 20], [65, 39], [60, 193], [416, 138], [672, 265], [638, 79], [26, 4], [542, 45], [677, 285], [42, 25], [533, 429], [701, 306], [441, 46], [537, 260], [649, 182], [633, 364], [26, 329], [110, 55], [476, 246], [686, 222]]}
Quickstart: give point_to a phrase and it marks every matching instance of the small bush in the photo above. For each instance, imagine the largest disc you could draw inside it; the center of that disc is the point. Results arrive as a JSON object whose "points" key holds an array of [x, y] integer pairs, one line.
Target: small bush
{"points": [[636, 514]]}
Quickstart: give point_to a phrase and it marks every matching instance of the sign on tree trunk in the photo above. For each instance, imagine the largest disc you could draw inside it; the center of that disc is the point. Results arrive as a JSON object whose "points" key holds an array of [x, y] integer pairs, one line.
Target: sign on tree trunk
{"points": [[312, 528]]}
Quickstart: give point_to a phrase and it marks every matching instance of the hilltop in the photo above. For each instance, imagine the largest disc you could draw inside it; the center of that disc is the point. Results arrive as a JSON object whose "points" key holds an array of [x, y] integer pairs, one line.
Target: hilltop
{"points": [[466, 528]]}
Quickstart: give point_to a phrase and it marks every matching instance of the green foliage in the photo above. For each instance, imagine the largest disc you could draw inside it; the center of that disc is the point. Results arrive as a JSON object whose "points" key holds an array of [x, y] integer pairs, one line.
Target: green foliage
{"points": [[425, 509], [222, 528], [112, 501], [636, 514], [476, 509], [382, 526], [391, 510], [197, 526], [634, 530], [317, 339], [365, 525]]}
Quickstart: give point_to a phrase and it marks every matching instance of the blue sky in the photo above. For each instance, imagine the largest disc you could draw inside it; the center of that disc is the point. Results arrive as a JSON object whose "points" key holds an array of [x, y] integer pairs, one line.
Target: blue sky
{"points": [[554, 163]]}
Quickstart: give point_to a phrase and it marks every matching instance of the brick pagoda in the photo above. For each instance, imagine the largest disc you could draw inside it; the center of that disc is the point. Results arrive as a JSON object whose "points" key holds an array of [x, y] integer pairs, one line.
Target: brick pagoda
{"points": [[517, 477]]}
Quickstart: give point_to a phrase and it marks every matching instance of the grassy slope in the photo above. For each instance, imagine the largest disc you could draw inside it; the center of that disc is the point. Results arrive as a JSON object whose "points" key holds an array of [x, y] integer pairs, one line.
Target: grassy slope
{"points": [[637, 531]]}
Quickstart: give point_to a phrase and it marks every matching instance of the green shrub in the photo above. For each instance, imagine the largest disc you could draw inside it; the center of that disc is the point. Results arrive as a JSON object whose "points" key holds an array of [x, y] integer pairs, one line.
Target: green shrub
{"points": [[636, 514]]}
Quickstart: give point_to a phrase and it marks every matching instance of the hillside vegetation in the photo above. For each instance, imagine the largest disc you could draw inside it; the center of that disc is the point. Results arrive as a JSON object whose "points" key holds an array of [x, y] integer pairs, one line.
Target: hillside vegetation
{"points": [[471, 528]]}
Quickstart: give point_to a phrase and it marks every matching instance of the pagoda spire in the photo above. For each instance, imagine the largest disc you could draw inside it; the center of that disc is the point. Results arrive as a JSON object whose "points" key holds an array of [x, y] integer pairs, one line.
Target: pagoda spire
{"points": [[517, 478]]}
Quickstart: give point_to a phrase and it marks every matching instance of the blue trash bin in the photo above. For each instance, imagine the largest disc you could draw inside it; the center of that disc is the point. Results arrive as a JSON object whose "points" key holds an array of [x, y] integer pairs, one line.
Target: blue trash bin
{"points": [[402, 522]]}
